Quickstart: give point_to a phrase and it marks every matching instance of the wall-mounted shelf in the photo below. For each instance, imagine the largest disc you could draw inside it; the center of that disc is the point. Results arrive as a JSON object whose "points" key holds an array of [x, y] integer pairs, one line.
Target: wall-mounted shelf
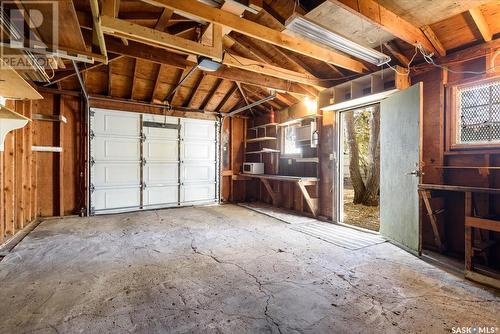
{"points": [[255, 140], [49, 118], [265, 150], [366, 90], [263, 126], [299, 120], [315, 160]]}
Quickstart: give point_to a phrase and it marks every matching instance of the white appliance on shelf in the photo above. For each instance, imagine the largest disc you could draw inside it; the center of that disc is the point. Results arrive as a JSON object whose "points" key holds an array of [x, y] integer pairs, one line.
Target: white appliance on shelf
{"points": [[253, 168]]}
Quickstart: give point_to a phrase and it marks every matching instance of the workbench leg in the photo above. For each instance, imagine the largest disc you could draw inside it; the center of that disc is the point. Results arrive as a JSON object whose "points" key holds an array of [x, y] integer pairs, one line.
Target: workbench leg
{"points": [[426, 195], [468, 232]]}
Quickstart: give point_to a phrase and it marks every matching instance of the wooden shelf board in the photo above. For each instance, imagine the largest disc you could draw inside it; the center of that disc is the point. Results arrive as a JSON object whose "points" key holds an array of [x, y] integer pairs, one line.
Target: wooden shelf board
{"points": [[254, 140], [263, 151], [263, 126], [316, 160]]}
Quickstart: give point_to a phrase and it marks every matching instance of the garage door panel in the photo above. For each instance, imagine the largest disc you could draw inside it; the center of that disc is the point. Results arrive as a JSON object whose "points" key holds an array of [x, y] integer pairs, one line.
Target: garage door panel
{"points": [[161, 150], [198, 192], [160, 119], [116, 174], [178, 167], [161, 173], [116, 149], [116, 123], [204, 172], [117, 198], [197, 129], [197, 151], [167, 195]]}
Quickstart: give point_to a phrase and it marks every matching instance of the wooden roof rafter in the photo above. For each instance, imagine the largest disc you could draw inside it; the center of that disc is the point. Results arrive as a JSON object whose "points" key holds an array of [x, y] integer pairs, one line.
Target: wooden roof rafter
{"points": [[258, 31]]}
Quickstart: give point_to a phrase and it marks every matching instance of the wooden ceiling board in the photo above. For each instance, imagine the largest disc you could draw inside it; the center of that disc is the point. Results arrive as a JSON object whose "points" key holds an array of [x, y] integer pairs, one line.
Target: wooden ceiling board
{"points": [[349, 25], [185, 90], [146, 69], [205, 87], [491, 13], [96, 82], [425, 12], [143, 89], [122, 86], [231, 102], [224, 87], [456, 31]]}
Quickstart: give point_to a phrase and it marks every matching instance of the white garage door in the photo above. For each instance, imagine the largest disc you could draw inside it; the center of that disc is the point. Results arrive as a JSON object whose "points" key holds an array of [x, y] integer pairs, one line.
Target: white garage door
{"points": [[198, 161], [141, 161]]}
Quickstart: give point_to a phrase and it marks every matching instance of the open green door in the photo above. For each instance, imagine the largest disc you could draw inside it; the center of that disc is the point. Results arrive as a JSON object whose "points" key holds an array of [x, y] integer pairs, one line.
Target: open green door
{"points": [[400, 157]]}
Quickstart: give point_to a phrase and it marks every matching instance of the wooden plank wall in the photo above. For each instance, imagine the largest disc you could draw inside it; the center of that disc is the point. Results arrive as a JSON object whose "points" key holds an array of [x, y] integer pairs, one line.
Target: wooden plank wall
{"points": [[451, 222], [232, 137], [41, 184], [18, 208]]}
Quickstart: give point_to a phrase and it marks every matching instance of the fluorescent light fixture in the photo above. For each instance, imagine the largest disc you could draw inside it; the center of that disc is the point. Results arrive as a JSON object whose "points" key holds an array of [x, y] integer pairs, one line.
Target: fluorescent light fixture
{"points": [[207, 64], [313, 31]]}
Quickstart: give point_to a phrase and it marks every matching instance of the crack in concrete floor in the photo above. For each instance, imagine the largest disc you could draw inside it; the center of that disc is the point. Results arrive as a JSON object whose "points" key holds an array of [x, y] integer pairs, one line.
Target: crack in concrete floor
{"points": [[222, 269]]}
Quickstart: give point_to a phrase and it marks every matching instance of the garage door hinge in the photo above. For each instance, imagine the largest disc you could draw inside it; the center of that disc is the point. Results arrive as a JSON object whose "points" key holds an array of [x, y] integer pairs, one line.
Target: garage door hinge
{"points": [[144, 162], [92, 188], [143, 137], [91, 134], [92, 113], [92, 161]]}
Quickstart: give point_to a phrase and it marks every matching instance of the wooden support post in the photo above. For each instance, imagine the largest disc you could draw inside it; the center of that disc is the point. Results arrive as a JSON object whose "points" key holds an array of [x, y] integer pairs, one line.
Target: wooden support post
{"points": [[34, 171], [19, 179], [61, 158], [468, 232], [9, 184], [28, 142]]}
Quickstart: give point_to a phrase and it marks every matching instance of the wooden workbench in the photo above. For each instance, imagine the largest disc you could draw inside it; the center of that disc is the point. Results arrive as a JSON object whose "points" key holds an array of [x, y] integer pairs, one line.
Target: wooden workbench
{"points": [[300, 181], [471, 222]]}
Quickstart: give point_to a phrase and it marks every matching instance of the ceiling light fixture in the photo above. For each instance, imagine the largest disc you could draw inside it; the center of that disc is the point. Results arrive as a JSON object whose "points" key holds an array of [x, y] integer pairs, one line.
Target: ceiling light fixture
{"points": [[313, 31]]}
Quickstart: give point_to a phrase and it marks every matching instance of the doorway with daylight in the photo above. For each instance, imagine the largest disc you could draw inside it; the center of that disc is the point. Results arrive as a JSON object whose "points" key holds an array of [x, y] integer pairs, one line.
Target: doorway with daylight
{"points": [[359, 191]]}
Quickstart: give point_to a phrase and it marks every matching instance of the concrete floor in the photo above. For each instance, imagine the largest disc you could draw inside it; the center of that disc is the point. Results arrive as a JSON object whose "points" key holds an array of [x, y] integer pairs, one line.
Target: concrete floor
{"points": [[223, 269]]}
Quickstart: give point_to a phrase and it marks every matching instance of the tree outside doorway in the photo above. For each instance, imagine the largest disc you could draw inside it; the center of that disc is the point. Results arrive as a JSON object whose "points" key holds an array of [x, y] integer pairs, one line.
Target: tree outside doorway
{"points": [[361, 167]]}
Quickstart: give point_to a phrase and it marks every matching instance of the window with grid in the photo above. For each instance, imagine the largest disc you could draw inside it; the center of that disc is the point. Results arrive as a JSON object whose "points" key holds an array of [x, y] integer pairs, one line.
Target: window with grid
{"points": [[478, 109]]}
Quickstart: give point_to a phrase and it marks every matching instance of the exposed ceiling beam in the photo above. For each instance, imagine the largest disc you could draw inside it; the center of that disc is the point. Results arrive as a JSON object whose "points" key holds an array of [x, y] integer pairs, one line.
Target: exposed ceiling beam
{"points": [[98, 35], [397, 53], [136, 50], [243, 95], [157, 81], [134, 78], [431, 36], [211, 93], [64, 75], [165, 16], [156, 38], [226, 97], [481, 24], [193, 91], [275, 71], [258, 31], [474, 52], [382, 17]]}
